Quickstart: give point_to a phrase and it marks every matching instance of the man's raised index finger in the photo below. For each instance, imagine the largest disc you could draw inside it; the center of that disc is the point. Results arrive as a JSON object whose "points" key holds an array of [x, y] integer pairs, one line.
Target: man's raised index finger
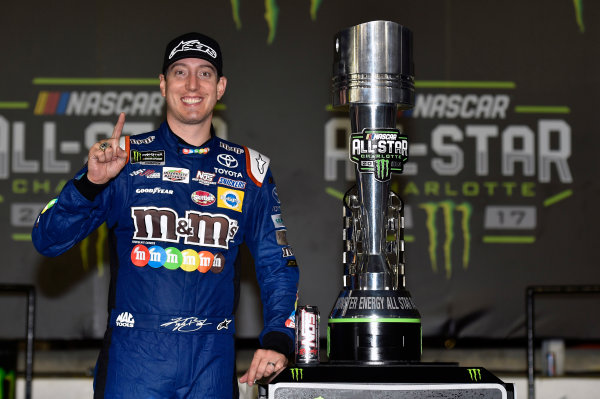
{"points": [[118, 127]]}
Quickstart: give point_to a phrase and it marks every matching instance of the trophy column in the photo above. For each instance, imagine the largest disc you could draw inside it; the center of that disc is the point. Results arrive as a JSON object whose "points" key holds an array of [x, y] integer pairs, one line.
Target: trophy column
{"points": [[374, 319]]}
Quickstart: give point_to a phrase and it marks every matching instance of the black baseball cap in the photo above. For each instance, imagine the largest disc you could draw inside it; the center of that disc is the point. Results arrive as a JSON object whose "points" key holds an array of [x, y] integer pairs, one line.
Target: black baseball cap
{"points": [[193, 45]]}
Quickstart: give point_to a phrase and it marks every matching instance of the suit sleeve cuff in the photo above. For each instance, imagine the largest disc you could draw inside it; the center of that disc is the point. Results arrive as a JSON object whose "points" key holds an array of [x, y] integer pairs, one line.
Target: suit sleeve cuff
{"points": [[279, 342], [88, 189]]}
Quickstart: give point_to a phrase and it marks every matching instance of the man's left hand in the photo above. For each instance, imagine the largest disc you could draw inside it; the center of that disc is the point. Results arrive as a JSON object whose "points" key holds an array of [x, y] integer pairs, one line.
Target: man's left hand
{"points": [[265, 363]]}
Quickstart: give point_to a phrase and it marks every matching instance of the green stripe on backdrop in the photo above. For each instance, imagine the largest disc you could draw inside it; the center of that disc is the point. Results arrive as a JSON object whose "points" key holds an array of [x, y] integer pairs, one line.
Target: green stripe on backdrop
{"points": [[464, 84], [21, 237], [509, 239], [96, 81], [558, 197], [542, 109], [14, 105]]}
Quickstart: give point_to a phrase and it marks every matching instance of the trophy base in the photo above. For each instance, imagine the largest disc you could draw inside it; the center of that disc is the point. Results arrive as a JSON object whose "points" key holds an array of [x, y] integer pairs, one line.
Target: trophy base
{"points": [[374, 342], [374, 326]]}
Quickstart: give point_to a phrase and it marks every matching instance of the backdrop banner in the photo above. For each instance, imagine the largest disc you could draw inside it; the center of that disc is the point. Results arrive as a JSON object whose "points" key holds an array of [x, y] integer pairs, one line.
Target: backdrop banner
{"points": [[500, 188]]}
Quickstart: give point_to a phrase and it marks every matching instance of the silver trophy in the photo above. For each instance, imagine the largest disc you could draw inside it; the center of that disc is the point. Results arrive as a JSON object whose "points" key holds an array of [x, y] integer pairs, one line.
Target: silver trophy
{"points": [[374, 319]]}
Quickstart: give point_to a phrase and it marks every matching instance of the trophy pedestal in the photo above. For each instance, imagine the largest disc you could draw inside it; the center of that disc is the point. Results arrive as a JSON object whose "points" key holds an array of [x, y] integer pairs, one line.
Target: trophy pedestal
{"points": [[414, 381]]}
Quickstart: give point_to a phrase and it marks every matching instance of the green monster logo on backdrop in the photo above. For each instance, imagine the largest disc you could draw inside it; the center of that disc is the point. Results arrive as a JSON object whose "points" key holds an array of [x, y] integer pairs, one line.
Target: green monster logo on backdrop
{"points": [[579, 14], [100, 242], [271, 15], [448, 209]]}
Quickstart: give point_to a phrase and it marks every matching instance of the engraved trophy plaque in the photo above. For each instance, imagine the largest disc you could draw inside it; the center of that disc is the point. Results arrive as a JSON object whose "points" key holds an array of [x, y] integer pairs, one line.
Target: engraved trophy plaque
{"points": [[374, 319]]}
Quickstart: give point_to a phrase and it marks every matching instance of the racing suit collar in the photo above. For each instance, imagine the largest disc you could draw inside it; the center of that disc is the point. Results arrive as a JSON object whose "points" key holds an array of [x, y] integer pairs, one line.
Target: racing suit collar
{"points": [[180, 145]]}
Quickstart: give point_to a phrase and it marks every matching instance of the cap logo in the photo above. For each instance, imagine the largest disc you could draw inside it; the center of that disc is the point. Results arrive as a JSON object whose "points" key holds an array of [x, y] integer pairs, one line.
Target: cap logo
{"points": [[193, 45]]}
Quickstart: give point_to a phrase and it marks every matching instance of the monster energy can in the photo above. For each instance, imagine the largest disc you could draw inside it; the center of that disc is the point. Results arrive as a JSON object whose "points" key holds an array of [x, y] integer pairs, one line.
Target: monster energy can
{"points": [[307, 334]]}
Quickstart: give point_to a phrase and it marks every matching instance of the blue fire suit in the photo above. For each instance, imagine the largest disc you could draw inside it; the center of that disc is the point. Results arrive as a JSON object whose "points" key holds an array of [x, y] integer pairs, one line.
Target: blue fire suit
{"points": [[177, 215]]}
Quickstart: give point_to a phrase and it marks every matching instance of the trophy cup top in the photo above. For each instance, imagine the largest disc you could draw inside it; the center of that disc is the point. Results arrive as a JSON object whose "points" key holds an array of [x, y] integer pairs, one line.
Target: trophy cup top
{"points": [[373, 64]]}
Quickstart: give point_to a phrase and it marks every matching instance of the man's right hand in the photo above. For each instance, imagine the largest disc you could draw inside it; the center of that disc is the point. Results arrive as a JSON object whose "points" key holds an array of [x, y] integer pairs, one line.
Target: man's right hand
{"points": [[106, 159]]}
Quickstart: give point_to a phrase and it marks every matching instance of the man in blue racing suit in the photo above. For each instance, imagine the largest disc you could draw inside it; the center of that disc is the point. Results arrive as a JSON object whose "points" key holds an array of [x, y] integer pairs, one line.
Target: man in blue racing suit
{"points": [[178, 202]]}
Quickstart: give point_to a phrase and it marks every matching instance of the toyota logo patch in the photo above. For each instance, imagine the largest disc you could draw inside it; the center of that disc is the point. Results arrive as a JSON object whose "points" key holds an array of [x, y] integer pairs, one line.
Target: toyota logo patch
{"points": [[227, 160]]}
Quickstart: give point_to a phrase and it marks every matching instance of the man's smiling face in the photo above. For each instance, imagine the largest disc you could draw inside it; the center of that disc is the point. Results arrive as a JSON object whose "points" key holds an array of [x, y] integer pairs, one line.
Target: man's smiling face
{"points": [[191, 89]]}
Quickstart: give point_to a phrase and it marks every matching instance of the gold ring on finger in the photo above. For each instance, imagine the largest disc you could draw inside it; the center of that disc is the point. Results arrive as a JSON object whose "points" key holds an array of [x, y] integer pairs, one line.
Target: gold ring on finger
{"points": [[104, 145]]}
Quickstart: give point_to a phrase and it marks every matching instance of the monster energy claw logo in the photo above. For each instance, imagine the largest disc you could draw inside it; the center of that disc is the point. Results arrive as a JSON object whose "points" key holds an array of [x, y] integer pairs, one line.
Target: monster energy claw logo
{"points": [[147, 157], [296, 374], [136, 156], [475, 374], [383, 169]]}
